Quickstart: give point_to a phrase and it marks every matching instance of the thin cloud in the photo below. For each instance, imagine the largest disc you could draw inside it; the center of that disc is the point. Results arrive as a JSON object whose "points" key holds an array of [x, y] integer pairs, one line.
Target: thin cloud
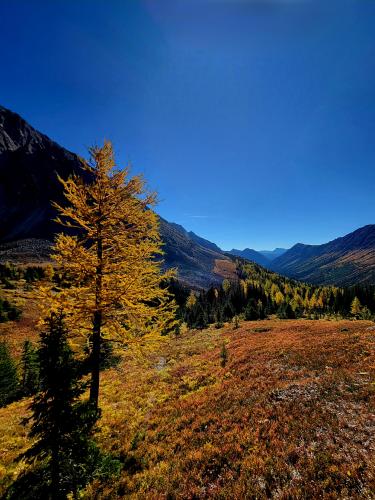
{"points": [[198, 216]]}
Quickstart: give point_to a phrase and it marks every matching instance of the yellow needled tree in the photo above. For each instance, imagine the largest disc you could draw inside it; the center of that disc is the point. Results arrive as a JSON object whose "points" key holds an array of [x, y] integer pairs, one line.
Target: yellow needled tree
{"points": [[111, 264], [356, 307]]}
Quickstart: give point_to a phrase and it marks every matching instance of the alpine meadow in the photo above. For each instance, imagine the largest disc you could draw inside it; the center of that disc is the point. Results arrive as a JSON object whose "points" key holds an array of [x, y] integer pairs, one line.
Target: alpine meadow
{"points": [[164, 332]]}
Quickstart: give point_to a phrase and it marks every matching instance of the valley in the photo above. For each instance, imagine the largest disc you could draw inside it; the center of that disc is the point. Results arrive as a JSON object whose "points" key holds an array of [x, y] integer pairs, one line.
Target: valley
{"points": [[241, 408]]}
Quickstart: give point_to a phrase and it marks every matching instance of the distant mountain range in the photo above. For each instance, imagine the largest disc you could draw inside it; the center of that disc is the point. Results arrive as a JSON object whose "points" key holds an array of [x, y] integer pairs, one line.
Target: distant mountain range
{"points": [[273, 254], [29, 163], [253, 255], [261, 257], [344, 261]]}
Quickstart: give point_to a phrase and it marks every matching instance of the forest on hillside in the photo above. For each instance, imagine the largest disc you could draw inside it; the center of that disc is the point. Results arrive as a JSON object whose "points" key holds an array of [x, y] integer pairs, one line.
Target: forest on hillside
{"points": [[259, 293]]}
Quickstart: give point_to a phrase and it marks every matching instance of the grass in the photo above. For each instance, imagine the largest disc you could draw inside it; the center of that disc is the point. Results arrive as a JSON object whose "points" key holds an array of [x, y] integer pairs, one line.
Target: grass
{"points": [[289, 416]]}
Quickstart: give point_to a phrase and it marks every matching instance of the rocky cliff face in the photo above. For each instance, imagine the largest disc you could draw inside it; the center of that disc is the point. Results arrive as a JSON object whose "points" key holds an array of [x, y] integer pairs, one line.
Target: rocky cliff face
{"points": [[29, 164]]}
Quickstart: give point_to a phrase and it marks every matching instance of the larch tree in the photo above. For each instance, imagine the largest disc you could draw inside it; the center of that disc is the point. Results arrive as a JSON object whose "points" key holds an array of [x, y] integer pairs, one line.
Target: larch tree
{"points": [[110, 260], [191, 300], [356, 307], [226, 285], [279, 298]]}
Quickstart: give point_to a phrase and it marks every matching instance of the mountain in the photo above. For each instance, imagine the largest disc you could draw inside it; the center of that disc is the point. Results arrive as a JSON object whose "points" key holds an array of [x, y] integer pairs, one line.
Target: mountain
{"points": [[344, 261], [198, 239], [204, 243], [29, 164], [250, 254], [273, 254], [198, 265]]}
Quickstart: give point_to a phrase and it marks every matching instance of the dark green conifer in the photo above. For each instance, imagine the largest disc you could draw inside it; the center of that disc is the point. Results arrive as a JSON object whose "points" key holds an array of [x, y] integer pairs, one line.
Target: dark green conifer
{"points": [[223, 355], [62, 424], [8, 376], [30, 369]]}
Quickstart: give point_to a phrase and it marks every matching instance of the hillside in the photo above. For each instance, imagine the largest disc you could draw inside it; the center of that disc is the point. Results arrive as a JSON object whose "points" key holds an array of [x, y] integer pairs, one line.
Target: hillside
{"points": [[29, 164], [198, 266], [197, 239], [290, 412], [344, 261]]}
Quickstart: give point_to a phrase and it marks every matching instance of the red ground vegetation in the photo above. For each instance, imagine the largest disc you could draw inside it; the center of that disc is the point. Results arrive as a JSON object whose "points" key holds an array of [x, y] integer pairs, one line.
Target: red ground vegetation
{"points": [[290, 415]]}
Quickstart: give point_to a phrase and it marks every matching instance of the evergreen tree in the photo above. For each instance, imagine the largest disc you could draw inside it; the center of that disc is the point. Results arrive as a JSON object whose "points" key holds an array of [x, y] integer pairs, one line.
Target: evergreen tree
{"points": [[260, 309], [61, 423], [8, 376], [366, 313], [228, 311], [251, 313], [285, 311], [219, 318], [30, 369], [223, 355], [8, 311], [200, 317]]}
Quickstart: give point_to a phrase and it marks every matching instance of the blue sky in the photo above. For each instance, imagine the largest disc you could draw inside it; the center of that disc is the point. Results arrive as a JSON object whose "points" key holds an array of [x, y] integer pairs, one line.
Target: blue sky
{"points": [[253, 119]]}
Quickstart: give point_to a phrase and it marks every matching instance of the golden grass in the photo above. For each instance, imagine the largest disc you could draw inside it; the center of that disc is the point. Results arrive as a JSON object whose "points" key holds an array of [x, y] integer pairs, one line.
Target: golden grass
{"points": [[289, 416]]}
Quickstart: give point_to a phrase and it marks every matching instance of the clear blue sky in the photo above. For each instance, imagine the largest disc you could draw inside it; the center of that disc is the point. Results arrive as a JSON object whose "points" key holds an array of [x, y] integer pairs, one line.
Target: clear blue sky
{"points": [[254, 119]]}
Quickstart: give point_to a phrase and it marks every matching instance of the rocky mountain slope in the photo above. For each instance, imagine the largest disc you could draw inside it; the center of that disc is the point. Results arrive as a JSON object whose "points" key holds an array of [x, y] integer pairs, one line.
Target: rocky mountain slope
{"points": [[344, 261], [197, 264], [29, 164]]}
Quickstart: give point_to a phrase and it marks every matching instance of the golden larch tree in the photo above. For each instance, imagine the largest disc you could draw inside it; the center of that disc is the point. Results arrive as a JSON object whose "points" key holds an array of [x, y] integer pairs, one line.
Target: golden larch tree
{"points": [[110, 259], [356, 307]]}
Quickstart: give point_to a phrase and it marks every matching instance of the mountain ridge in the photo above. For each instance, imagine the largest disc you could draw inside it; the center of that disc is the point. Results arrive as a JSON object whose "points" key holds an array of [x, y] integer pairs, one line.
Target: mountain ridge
{"points": [[346, 260], [250, 254], [29, 164], [273, 254]]}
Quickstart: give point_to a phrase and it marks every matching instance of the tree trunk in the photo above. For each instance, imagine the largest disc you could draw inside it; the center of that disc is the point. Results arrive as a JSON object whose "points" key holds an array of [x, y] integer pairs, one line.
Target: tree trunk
{"points": [[97, 326], [95, 359], [55, 473]]}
